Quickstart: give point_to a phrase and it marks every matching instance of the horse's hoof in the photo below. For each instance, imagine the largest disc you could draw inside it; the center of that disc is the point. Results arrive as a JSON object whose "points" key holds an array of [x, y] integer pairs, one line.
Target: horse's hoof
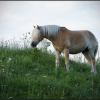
{"points": [[94, 72]]}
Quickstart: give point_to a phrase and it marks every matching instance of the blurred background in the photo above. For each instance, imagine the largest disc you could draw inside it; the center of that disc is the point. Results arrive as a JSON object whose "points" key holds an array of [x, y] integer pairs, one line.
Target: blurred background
{"points": [[18, 17]]}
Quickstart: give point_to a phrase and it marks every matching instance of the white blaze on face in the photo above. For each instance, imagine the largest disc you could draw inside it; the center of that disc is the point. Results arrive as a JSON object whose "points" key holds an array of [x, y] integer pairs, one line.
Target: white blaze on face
{"points": [[35, 34]]}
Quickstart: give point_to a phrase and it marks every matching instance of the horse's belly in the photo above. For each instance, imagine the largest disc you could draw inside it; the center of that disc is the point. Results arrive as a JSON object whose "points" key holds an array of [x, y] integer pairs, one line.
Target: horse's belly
{"points": [[79, 42], [74, 52], [79, 47], [77, 50]]}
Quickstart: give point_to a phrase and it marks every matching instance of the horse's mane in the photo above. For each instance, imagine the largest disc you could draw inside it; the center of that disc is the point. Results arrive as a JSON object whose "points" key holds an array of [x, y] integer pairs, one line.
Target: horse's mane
{"points": [[50, 29]]}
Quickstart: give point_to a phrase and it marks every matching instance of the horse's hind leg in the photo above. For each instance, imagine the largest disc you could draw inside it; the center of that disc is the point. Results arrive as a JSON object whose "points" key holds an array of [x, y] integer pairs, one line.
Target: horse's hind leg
{"points": [[91, 59], [93, 62], [87, 56]]}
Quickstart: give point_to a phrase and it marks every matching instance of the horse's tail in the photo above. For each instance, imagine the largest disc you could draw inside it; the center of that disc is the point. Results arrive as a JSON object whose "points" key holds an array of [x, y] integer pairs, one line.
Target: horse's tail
{"points": [[96, 49]]}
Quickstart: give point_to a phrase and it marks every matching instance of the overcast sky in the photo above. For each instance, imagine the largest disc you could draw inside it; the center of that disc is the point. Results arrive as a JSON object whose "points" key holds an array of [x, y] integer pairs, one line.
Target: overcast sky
{"points": [[18, 17]]}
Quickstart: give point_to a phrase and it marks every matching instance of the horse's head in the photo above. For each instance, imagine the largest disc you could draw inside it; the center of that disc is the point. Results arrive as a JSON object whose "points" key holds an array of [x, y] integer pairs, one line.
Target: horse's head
{"points": [[37, 36]]}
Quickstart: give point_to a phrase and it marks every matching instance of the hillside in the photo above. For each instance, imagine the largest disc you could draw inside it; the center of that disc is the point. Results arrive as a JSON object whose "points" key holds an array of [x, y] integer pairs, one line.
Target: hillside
{"points": [[30, 74]]}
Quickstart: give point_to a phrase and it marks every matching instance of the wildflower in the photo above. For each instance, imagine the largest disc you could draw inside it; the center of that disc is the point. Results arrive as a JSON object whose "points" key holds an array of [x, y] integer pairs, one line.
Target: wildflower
{"points": [[9, 60], [27, 74], [75, 78], [76, 84], [10, 73], [36, 69], [44, 76], [9, 97], [53, 87], [2, 65], [3, 70]]}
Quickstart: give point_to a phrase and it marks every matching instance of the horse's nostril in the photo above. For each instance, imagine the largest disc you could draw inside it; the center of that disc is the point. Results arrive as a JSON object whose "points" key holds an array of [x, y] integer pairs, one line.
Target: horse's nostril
{"points": [[33, 44]]}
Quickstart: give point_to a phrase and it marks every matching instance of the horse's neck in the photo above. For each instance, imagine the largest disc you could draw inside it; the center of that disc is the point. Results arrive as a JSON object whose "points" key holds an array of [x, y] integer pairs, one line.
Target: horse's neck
{"points": [[50, 32], [51, 37], [47, 36]]}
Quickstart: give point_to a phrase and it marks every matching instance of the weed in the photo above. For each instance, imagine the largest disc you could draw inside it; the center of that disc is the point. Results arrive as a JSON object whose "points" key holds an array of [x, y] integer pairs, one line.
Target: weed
{"points": [[30, 73]]}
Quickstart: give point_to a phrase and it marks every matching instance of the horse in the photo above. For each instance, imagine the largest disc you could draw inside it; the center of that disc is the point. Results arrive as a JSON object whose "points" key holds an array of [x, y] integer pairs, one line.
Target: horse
{"points": [[68, 42]]}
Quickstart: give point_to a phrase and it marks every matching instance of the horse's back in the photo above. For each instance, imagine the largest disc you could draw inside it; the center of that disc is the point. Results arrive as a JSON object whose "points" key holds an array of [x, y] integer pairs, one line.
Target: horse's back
{"points": [[80, 40]]}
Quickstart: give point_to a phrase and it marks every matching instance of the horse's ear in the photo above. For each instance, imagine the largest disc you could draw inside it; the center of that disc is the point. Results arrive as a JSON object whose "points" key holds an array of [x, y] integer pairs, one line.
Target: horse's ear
{"points": [[34, 26], [38, 27]]}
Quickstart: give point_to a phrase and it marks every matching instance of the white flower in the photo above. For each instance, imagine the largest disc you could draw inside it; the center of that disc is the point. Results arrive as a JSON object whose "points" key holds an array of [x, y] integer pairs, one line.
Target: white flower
{"points": [[44, 76], [76, 84], [9, 97], [10, 73], [36, 69], [9, 60], [53, 87], [27, 74], [3, 70], [2, 65]]}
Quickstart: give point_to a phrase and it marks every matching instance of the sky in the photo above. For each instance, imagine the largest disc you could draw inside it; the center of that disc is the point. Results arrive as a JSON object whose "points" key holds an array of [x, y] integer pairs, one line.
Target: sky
{"points": [[18, 17]]}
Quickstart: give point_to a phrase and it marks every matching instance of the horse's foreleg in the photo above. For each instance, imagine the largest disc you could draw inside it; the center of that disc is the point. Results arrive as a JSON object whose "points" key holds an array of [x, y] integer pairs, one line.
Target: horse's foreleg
{"points": [[66, 52], [57, 58]]}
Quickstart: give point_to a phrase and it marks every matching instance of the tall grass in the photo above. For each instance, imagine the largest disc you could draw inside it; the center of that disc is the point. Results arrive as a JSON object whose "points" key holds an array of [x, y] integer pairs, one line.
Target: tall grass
{"points": [[27, 73]]}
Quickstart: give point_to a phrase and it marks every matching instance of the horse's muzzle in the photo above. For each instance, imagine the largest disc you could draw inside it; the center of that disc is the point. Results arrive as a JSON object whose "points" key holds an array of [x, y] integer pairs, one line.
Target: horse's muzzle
{"points": [[34, 44]]}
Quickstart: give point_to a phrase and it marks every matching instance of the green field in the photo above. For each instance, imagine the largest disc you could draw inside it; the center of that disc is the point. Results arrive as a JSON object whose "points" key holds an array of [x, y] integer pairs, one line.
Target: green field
{"points": [[30, 74]]}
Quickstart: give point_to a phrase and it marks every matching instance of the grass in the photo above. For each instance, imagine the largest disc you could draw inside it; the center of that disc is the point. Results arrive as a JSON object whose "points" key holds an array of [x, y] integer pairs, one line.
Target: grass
{"points": [[30, 74]]}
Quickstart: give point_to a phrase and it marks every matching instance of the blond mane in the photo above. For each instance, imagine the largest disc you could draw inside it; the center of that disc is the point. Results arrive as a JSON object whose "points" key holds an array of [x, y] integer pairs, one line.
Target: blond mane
{"points": [[50, 29]]}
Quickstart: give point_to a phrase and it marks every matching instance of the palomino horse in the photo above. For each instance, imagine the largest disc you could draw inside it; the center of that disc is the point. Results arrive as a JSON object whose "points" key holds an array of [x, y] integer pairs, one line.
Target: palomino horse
{"points": [[67, 41]]}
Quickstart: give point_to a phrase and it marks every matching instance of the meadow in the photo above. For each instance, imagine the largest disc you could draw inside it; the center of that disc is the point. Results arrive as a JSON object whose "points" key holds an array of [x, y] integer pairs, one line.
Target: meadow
{"points": [[27, 73]]}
